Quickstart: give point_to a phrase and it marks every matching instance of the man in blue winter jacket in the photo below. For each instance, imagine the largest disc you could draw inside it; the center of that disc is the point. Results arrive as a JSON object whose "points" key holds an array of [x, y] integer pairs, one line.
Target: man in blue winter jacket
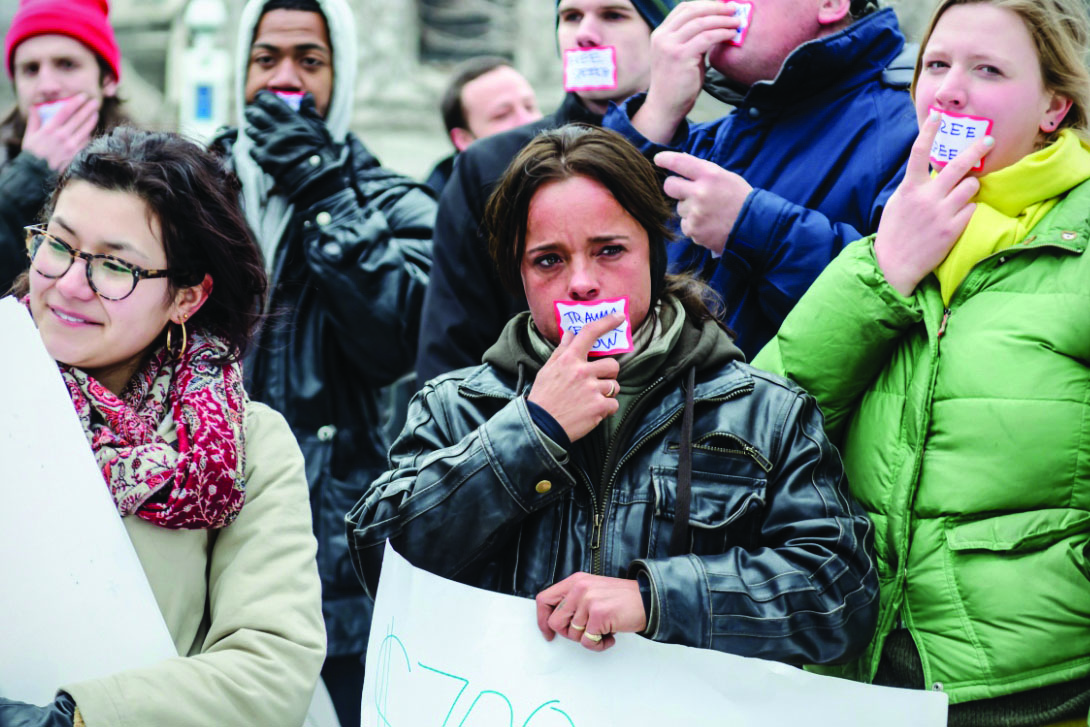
{"points": [[768, 195]]}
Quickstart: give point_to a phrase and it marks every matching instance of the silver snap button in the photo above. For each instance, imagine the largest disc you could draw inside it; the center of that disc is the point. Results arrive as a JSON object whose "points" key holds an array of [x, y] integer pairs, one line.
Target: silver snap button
{"points": [[754, 112], [1068, 235], [315, 160], [936, 687], [323, 218], [327, 433]]}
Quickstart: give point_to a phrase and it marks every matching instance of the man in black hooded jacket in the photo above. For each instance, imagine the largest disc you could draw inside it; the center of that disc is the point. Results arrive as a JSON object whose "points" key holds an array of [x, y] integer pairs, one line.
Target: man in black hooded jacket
{"points": [[347, 246]]}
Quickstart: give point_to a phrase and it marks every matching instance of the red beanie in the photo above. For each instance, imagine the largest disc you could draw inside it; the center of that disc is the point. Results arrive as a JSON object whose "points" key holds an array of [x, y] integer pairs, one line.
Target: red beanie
{"points": [[84, 20]]}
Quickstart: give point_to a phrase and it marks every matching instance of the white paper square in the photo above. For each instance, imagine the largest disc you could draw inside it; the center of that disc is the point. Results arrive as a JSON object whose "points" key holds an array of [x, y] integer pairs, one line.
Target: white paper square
{"points": [[590, 69]]}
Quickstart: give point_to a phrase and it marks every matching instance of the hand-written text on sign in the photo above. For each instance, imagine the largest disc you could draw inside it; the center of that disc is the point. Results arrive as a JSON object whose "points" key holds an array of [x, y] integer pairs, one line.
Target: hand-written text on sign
{"points": [[745, 12], [957, 132], [475, 703], [572, 315], [590, 69], [443, 654]]}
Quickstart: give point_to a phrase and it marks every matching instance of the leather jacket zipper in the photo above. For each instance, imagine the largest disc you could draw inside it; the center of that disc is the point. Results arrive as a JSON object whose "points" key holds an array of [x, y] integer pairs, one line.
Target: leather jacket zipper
{"points": [[743, 448], [609, 474], [607, 480]]}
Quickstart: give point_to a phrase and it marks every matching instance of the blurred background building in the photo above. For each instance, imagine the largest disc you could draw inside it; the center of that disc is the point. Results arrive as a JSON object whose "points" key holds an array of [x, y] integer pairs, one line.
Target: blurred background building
{"points": [[407, 48]]}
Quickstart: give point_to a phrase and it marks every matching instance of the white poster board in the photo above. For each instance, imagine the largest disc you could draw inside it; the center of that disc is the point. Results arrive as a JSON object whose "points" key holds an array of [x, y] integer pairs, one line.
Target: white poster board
{"points": [[75, 603], [445, 654]]}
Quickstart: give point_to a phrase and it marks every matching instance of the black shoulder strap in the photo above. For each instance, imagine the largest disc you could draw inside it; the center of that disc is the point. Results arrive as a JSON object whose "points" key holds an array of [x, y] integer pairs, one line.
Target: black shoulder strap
{"points": [[899, 72], [679, 537]]}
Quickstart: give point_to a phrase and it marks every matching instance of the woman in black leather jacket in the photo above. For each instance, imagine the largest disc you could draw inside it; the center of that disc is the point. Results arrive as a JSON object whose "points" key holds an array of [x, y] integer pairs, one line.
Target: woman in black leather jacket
{"points": [[672, 491]]}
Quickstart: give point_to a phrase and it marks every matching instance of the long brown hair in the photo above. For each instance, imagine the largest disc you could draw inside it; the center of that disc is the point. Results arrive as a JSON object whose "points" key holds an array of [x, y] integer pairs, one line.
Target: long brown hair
{"points": [[1060, 30], [580, 150]]}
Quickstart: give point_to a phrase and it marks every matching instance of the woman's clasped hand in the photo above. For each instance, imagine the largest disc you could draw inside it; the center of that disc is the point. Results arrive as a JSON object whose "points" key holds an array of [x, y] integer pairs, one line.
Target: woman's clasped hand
{"points": [[590, 609]]}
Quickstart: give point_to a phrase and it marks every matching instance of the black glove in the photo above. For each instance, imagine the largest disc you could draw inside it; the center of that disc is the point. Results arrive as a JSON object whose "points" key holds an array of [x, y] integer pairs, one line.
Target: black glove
{"points": [[61, 713], [295, 148]]}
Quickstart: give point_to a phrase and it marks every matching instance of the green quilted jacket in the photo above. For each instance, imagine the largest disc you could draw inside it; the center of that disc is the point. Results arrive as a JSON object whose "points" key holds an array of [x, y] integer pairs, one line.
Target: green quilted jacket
{"points": [[965, 434]]}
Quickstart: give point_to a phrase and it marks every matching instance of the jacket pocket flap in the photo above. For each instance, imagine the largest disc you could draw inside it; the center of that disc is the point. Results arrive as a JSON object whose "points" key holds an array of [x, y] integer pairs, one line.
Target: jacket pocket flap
{"points": [[716, 501], [1017, 531]]}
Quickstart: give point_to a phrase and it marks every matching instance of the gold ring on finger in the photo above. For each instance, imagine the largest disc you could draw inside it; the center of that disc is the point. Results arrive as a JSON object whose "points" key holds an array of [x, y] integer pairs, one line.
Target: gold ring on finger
{"points": [[593, 637], [612, 389], [573, 627]]}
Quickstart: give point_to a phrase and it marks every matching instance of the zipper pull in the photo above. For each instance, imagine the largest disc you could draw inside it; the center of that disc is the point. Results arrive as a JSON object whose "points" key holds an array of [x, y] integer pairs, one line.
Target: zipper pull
{"points": [[942, 326], [596, 538]]}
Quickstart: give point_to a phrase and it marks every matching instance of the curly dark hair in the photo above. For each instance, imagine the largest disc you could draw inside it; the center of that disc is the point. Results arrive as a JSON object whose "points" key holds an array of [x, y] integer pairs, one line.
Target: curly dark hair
{"points": [[195, 198]]}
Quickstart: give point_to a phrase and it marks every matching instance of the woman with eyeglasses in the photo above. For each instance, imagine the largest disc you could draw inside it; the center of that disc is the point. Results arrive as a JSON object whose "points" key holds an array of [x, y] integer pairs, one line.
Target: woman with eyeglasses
{"points": [[146, 285]]}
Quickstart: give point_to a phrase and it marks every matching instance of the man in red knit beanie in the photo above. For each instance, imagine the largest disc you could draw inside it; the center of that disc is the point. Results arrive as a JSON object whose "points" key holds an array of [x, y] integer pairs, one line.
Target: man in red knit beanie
{"points": [[64, 63]]}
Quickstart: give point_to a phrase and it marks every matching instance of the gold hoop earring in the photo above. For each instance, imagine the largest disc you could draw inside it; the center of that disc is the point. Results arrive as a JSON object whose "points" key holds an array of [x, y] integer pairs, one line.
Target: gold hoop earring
{"points": [[185, 339]]}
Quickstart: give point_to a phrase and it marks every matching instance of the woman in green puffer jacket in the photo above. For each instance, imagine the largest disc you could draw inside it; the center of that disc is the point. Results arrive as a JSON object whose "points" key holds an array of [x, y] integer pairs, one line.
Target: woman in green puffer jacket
{"points": [[951, 356]]}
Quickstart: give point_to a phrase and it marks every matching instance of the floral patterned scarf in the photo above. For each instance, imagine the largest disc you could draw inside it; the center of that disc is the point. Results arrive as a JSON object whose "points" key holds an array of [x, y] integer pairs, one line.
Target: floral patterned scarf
{"points": [[171, 446]]}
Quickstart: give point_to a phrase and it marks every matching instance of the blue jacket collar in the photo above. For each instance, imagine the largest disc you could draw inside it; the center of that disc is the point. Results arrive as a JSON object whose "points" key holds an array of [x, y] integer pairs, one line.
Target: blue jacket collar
{"points": [[840, 61]]}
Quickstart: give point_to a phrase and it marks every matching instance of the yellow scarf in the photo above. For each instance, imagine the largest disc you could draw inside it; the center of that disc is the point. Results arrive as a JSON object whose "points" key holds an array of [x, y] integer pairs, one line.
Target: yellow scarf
{"points": [[1011, 202]]}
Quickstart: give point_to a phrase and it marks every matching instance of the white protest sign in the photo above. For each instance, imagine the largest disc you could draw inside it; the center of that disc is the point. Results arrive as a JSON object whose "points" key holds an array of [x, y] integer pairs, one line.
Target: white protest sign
{"points": [[745, 12], [294, 100], [957, 132], [572, 315], [75, 603], [441, 653], [590, 69]]}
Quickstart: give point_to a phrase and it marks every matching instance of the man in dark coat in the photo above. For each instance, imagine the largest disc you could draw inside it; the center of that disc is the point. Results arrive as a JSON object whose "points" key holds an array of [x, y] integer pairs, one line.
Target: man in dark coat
{"points": [[805, 162], [485, 96], [347, 245], [64, 64], [466, 307]]}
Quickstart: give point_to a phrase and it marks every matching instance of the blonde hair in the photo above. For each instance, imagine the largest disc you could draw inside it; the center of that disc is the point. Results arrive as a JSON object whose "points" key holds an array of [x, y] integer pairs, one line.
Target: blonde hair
{"points": [[1060, 30]]}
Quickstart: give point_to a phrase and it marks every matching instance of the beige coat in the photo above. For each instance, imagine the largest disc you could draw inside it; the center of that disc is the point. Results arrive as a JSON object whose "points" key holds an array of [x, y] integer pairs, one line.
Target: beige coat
{"points": [[243, 604]]}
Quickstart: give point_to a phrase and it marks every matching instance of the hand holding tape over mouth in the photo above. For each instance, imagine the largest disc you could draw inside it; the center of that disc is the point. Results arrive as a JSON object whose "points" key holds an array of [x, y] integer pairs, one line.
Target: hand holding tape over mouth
{"points": [[57, 130], [744, 12], [573, 315], [956, 133], [48, 109], [679, 57], [577, 390], [927, 214]]}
